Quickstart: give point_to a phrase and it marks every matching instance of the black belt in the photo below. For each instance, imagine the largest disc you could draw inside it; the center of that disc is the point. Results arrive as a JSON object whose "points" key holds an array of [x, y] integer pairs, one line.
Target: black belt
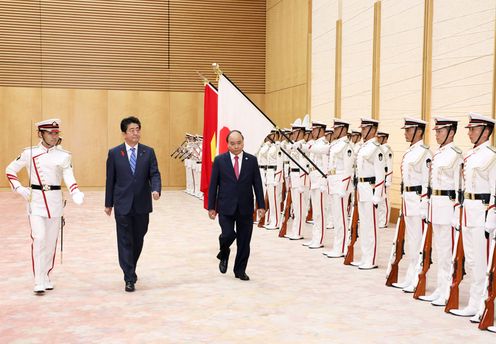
{"points": [[271, 167], [450, 193], [416, 188], [484, 197], [295, 170], [263, 167], [45, 187], [370, 180]]}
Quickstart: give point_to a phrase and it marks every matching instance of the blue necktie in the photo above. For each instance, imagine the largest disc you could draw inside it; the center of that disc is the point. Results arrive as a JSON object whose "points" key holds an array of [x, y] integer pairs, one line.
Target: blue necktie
{"points": [[132, 159]]}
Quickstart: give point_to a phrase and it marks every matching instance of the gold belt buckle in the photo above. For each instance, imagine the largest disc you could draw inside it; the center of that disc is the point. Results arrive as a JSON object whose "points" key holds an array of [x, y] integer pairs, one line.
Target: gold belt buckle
{"points": [[46, 187], [332, 171]]}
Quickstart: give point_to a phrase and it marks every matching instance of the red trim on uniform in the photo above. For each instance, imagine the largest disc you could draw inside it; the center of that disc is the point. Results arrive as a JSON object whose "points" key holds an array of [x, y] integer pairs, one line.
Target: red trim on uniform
{"points": [[73, 185], [375, 235], [344, 224], [301, 204], [452, 240], [387, 212], [53, 258], [379, 184], [488, 240], [275, 204], [491, 207], [404, 209], [39, 180], [322, 217], [11, 176]]}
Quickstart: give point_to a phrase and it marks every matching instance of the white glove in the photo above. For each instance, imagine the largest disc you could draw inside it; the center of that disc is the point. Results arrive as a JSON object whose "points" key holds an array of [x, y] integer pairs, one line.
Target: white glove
{"points": [[424, 209], [490, 224], [342, 193], [455, 220], [24, 192], [78, 197], [376, 199]]}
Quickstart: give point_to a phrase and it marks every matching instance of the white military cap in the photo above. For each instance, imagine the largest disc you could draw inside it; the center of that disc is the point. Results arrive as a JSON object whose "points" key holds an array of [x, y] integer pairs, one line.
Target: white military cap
{"points": [[319, 124], [297, 124], [306, 122], [51, 125], [442, 122], [382, 134], [477, 120], [367, 122], [411, 122], [338, 123], [356, 132]]}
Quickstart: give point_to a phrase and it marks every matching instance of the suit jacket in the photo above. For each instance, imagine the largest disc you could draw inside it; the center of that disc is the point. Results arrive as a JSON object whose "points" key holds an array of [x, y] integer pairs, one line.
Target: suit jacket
{"points": [[226, 193], [125, 191]]}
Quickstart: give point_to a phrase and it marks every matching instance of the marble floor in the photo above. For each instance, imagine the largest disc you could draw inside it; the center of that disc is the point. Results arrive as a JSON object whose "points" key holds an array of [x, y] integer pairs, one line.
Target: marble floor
{"points": [[295, 294]]}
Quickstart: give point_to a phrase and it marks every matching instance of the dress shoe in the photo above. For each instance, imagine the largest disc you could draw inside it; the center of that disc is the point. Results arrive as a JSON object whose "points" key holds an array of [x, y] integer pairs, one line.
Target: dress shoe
{"points": [[464, 312], [315, 246], [333, 254], [492, 329], [476, 318], [297, 237], [429, 298], [243, 277], [39, 289], [409, 289], [271, 227], [441, 301], [48, 285], [367, 267], [357, 263], [223, 265], [129, 286], [400, 285], [307, 243]]}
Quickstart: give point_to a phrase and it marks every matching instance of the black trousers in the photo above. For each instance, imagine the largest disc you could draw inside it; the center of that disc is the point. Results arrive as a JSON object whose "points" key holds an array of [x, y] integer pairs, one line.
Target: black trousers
{"points": [[131, 230], [236, 227]]}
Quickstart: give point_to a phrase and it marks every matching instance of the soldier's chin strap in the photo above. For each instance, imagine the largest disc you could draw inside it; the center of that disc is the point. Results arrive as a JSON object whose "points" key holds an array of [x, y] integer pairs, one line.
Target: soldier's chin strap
{"points": [[482, 132], [368, 132], [447, 135]]}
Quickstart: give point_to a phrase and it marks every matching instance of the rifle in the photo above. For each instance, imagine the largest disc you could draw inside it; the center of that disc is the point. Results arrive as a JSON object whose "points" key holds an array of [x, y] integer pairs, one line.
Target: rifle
{"points": [[287, 211], [261, 221], [352, 228], [487, 318], [397, 249], [458, 258]]}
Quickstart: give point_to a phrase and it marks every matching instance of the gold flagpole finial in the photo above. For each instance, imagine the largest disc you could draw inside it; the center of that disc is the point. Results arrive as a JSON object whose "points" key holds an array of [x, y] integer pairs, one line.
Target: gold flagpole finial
{"points": [[217, 70], [203, 77]]}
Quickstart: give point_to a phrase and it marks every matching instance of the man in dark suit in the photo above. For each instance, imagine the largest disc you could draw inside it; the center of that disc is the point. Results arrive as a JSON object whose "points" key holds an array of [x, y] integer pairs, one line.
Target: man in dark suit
{"points": [[133, 179], [235, 176]]}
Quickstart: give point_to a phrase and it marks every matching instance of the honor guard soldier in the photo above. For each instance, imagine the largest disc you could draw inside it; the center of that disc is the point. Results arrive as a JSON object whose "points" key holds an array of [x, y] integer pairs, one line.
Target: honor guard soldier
{"points": [[445, 174], [46, 164], [329, 132], [384, 208], [297, 181], [479, 181], [262, 165], [274, 180], [189, 164], [340, 184], [370, 173], [317, 150], [414, 182], [197, 159]]}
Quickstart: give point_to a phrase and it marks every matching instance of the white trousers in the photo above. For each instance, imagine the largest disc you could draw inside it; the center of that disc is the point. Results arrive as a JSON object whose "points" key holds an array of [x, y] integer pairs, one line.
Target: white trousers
{"points": [[189, 179], [413, 238], [299, 212], [274, 194], [44, 234], [340, 216], [368, 233], [475, 248], [442, 238], [197, 178], [318, 199], [384, 211]]}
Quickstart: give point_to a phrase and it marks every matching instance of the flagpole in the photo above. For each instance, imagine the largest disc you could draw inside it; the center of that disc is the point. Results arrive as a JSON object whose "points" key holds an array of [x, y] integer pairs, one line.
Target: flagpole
{"points": [[219, 72]]}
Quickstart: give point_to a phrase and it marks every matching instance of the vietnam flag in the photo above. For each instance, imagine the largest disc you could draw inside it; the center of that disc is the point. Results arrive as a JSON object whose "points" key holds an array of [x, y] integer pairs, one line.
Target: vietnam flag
{"points": [[237, 111], [209, 146]]}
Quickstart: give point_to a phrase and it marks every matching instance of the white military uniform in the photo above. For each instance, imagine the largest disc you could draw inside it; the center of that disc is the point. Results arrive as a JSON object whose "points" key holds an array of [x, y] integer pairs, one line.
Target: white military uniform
{"points": [[415, 177], [479, 182], [370, 173], [197, 158], [318, 150], [46, 168], [445, 174], [262, 165], [299, 182], [340, 185], [189, 165], [274, 184], [384, 208]]}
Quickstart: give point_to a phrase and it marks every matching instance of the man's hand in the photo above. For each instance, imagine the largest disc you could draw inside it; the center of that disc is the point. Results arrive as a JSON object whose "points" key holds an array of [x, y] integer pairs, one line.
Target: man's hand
{"points": [[155, 195], [212, 214], [108, 211], [261, 213]]}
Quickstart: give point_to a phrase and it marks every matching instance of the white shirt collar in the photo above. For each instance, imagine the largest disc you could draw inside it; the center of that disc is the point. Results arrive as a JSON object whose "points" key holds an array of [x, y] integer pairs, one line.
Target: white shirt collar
{"points": [[240, 156], [128, 147]]}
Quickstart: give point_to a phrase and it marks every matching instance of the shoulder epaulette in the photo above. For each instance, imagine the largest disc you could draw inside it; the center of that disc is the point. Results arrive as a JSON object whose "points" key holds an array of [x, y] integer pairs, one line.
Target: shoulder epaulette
{"points": [[457, 150], [425, 146]]}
